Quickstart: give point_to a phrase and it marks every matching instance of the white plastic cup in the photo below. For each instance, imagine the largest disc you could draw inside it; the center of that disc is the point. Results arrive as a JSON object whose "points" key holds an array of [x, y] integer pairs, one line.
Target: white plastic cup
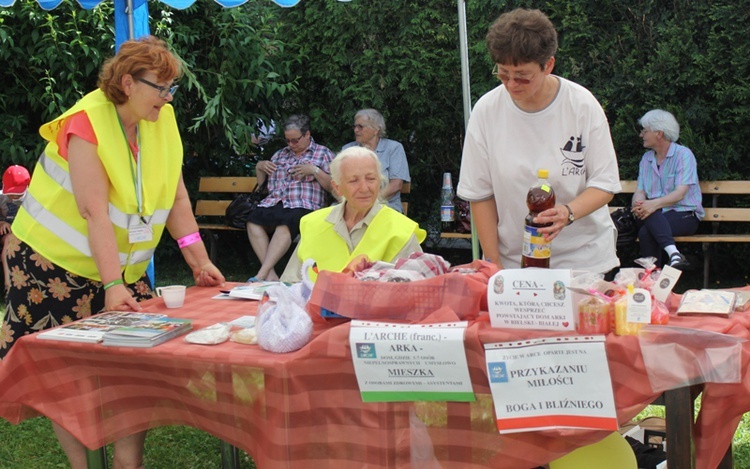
{"points": [[173, 295]]}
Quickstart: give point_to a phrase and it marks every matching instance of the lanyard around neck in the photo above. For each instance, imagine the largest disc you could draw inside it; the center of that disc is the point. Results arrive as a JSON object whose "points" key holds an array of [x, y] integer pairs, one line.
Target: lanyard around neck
{"points": [[137, 172]]}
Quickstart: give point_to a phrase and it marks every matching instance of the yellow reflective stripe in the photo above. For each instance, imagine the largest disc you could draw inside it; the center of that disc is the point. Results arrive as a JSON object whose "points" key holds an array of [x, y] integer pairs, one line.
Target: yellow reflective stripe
{"points": [[55, 172], [72, 237], [141, 256], [117, 216], [50, 221], [159, 217]]}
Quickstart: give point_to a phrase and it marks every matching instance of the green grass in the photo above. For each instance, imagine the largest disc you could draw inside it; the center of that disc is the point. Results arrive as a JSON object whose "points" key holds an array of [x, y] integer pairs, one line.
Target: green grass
{"points": [[32, 445], [740, 443]]}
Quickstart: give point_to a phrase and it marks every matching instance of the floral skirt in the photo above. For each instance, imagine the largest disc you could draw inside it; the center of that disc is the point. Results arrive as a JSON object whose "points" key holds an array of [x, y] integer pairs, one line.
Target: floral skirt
{"points": [[42, 295]]}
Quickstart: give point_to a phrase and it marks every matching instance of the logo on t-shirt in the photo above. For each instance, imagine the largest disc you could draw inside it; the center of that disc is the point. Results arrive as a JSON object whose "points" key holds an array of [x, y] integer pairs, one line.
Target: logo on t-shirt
{"points": [[572, 152]]}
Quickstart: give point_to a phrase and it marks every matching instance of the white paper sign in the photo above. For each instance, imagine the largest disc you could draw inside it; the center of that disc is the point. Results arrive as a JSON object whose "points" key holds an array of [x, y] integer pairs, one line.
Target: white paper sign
{"points": [[410, 362], [639, 306], [531, 299], [665, 283], [550, 383]]}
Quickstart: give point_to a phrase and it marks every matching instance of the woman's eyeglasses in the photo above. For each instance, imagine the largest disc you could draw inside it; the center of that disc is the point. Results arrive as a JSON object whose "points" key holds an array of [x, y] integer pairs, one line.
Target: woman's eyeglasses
{"points": [[358, 126], [293, 141], [505, 77], [163, 90]]}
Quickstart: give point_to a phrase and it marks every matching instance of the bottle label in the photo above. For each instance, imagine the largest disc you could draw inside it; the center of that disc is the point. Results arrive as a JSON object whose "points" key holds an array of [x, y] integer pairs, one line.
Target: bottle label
{"points": [[447, 213], [446, 197], [535, 245]]}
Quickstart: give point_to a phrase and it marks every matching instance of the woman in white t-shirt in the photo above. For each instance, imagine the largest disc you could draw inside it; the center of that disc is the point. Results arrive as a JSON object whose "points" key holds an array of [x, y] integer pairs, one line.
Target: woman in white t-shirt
{"points": [[536, 120]]}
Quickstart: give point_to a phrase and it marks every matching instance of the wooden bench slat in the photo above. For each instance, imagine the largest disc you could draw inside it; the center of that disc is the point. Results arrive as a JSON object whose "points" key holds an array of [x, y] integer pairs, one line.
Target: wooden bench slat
{"points": [[713, 238], [628, 187], [455, 235], [227, 184], [718, 214], [217, 227], [727, 214], [405, 189], [707, 187], [211, 208], [725, 187]]}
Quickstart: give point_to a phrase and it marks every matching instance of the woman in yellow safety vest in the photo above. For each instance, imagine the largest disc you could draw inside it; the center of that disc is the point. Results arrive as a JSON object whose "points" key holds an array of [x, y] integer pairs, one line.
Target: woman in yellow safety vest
{"points": [[108, 183], [360, 225]]}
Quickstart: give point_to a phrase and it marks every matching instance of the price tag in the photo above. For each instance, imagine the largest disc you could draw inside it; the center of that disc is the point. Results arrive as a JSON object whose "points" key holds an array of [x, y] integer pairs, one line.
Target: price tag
{"points": [[639, 306]]}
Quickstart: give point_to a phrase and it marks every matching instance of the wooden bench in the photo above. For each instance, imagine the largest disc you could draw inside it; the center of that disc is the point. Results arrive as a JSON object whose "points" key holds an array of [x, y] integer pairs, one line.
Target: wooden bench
{"points": [[405, 189], [210, 211], [716, 214]]}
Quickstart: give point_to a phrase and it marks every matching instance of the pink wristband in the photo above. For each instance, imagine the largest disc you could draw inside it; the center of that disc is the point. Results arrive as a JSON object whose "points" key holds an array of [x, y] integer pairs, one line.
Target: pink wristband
{"points": [[187, 240]]}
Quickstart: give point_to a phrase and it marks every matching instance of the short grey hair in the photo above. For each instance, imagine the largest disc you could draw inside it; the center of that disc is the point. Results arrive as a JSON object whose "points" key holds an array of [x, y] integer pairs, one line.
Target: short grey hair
{"points": [[374, 119], [659, 120], [356, 151], [298, 122]]}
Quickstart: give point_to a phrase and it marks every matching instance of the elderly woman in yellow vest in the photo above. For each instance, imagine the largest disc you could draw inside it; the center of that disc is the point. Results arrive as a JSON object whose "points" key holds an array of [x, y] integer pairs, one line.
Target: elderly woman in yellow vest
{"points": [[108, 183], [360, 224]]}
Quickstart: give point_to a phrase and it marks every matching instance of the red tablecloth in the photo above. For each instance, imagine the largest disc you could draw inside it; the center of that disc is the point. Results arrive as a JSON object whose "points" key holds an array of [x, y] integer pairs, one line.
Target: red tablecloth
{"points": [[303, 409]]}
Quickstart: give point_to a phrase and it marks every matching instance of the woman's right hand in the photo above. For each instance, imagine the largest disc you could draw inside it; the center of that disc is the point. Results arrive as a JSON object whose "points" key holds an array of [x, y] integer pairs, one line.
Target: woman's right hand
{"points": [[118, 298], [266, 166]]}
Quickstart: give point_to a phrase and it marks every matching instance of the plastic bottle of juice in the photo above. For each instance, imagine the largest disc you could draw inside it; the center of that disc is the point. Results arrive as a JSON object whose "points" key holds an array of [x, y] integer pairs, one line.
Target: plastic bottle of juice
{"points": [[536, 248]]}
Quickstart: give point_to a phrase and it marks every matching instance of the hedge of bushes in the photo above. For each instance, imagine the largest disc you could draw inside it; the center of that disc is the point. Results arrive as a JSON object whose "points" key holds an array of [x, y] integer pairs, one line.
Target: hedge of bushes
{"points": [[328, 59]]}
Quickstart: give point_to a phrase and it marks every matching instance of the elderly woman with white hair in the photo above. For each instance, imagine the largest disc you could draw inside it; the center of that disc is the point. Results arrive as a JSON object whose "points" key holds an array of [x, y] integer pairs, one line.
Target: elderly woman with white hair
{"points": [[668, 199], [369, 131], [360, 224]]}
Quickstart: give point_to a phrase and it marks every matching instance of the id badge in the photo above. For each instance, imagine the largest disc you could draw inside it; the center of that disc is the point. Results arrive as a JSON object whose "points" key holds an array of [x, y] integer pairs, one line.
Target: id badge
{"points": [[140, 233]]}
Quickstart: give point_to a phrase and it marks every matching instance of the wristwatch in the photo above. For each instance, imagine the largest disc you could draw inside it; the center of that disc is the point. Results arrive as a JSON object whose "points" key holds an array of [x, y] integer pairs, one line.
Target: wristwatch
{"points": [[317, 170], [571, 217]]}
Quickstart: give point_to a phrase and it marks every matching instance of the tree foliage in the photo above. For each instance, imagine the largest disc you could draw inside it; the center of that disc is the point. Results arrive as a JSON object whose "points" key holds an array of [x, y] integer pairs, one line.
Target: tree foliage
{"points": [[402, 58], [237, 70], [328, 59]]}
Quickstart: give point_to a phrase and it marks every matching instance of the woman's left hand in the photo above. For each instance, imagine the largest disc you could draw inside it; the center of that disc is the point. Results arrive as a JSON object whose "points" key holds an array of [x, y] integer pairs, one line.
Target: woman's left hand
{"points": [[118, 298], [558, 216], [208, 276]]}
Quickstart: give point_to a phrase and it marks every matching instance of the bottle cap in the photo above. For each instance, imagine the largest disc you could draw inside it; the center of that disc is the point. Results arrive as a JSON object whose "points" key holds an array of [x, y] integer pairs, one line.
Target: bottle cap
{"points": [[447, 181], [543, 174]]}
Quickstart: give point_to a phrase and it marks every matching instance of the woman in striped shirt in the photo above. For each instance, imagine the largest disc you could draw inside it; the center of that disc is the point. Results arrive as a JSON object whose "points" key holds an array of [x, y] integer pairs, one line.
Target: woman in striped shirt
{"points": [[668, 200]]}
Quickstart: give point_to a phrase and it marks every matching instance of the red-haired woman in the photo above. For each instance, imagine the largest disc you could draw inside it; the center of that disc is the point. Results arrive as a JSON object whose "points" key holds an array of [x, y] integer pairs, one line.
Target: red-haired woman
{"points": [[107, 185]]}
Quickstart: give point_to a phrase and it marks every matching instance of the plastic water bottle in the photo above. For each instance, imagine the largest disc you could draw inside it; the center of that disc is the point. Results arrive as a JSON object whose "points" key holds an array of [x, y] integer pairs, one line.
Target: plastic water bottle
{"points": [[447, 205]]}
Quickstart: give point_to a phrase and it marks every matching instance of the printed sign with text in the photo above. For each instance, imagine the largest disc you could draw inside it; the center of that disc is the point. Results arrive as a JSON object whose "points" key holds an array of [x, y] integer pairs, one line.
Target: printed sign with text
{"points": [[549, 383], [410, 362], [531, 299]]}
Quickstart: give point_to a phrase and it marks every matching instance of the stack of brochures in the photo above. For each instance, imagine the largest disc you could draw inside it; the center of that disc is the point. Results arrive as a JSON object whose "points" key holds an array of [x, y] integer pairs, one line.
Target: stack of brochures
{"points": [[121, 328], [147, 333]]}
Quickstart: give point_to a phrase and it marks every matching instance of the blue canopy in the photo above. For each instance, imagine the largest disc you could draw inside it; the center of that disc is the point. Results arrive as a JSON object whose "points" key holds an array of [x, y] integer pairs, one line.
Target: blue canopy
{"points": [[135, 26]]}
